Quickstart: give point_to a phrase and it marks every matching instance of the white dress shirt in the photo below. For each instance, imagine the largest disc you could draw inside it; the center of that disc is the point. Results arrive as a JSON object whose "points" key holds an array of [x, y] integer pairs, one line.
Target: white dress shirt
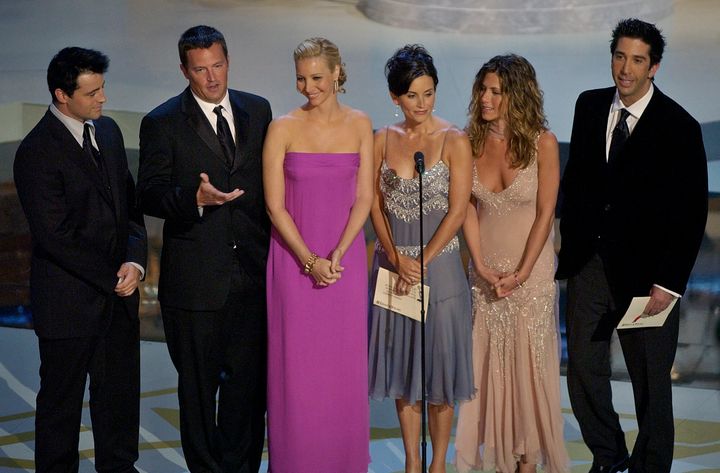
{"points": [[636, 110], [208, 108], [76, 127]]}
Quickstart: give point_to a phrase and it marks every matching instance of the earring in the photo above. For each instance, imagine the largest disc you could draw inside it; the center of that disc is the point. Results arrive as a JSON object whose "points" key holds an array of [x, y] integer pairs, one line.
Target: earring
{"points": [[336, 86], [397, 111]]}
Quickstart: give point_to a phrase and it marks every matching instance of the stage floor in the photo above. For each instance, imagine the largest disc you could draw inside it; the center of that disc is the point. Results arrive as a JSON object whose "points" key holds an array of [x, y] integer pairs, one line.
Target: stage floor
{"points": [[697, 413]]}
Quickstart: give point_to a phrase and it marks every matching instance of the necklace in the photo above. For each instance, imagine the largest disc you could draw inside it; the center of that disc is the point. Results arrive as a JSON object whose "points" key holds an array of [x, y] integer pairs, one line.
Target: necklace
{"points": [[497, 134]]}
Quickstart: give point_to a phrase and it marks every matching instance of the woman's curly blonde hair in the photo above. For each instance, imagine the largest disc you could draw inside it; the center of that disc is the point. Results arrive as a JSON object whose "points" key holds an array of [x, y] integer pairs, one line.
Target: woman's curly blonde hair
{"points": [[523, 102]]}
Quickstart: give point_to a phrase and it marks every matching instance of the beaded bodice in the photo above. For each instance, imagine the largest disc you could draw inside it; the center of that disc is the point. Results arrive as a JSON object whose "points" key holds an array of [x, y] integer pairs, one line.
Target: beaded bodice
{"points": [[401, 195], [403, 207], [521, 191]]}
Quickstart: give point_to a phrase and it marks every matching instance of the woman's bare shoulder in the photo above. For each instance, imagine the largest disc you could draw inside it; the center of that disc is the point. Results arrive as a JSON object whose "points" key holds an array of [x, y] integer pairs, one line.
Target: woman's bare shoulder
{"points": [[357, 116], [547, 137]]}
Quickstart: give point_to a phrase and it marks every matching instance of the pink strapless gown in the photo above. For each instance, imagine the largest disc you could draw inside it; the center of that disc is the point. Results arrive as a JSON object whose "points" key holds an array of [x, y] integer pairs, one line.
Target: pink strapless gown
{"points": [[318, 414]]}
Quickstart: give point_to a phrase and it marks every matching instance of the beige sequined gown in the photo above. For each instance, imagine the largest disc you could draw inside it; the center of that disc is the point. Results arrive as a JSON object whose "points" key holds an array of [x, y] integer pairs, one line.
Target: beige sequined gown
{"points": [[515, 345]]}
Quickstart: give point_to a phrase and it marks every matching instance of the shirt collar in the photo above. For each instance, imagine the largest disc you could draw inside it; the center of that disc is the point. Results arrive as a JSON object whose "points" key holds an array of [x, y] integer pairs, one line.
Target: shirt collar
{"points": [[76, 127], [208, 107], [636, 109]]}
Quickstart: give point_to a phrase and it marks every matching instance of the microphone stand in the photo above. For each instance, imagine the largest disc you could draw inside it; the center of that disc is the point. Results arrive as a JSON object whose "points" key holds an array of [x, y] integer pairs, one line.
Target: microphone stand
{"points": [[420, 168]]}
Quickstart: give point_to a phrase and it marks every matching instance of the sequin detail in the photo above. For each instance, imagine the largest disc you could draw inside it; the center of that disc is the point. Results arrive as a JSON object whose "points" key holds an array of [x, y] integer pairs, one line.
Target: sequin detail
{"points": [[401, 195], [414, 251], [521, 191], [515, 340], [531, 307]]}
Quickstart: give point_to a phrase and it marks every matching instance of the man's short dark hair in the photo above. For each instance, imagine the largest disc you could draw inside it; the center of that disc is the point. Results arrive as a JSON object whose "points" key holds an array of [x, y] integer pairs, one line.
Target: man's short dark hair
{"points": [[638, 29], [69, 63], [199, 37]]}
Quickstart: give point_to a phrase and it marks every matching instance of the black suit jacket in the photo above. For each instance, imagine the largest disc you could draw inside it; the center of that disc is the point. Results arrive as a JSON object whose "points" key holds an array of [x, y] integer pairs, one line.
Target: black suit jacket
{"points": [[177, 143], [81, 231], [644, 213]]}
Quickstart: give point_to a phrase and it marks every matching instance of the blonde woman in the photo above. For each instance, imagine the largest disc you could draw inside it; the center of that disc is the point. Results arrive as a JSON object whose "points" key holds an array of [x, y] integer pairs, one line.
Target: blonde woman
{"points": [[317, 172], [514, 422]]}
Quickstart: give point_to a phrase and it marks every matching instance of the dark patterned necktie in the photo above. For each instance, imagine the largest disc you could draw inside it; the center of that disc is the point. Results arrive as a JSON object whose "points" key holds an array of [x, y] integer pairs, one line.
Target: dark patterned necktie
{"points": [[225, 136], [619, 136], [88, 148], [95, 156]]}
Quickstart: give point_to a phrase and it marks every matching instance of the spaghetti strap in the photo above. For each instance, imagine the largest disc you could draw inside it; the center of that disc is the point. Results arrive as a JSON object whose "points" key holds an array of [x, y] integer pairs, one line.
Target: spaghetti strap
{"points": [[442, 148]]}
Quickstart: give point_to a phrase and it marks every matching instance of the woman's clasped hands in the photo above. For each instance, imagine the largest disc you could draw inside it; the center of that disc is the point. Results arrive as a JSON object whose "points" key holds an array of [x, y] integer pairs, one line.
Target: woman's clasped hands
{"points": [[409, 274], [327, 271], [502, 283]]}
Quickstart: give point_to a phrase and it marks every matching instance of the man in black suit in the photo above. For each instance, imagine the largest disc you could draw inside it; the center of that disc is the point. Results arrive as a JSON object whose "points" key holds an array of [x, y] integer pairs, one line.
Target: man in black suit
{"points": [[88, 253], [200, 170], [632, 219]]}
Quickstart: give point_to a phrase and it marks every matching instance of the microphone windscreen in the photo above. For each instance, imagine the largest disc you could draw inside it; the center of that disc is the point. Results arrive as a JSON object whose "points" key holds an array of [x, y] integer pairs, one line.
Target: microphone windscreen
{"points": [[419, 162]]}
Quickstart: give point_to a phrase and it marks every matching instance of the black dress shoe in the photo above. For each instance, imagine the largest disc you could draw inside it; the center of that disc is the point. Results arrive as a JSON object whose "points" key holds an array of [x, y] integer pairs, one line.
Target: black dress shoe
{"points": [[621, 465]]}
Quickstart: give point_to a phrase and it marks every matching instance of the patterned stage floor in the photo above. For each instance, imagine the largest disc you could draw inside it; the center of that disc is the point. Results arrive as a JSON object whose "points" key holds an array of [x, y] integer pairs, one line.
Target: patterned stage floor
{"points": [[697, 412]]}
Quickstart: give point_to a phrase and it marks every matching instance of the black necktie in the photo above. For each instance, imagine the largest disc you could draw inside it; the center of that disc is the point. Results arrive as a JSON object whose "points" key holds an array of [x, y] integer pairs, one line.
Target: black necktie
{"points": [[225, 136], [94, 155], [619, 136], [88, 148]]}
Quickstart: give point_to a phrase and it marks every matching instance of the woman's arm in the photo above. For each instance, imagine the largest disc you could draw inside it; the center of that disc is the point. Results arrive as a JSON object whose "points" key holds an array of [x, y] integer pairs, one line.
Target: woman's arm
{"points": [[363, 191], [548, 182], [276, 143], [471, 232], [407, 268], [459, 160]]}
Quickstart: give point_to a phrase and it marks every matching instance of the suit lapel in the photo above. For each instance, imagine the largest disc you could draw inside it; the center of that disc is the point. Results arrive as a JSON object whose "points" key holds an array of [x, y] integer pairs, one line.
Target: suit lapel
{"points": [[199, 123], [242, 123], [599, 127], [639, 136], [646, 121], [102, 137], [74, 153]]}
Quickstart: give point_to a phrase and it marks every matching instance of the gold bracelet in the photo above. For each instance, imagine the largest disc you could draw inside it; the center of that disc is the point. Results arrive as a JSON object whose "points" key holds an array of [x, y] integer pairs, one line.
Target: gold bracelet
{"points": [[308, 267]]}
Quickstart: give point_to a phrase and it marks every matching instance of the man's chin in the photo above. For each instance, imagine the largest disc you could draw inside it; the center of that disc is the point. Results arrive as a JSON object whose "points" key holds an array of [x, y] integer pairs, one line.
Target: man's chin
{"points": [[215, 96]]}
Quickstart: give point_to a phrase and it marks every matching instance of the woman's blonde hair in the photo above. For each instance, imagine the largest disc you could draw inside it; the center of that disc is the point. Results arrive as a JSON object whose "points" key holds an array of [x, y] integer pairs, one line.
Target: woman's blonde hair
{"points": [[321, 47], [523, 102]]}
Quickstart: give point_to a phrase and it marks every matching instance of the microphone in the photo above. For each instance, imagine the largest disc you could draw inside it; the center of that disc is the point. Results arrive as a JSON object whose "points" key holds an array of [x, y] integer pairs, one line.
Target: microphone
{"points": [[419, 158], [419, 162]]}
